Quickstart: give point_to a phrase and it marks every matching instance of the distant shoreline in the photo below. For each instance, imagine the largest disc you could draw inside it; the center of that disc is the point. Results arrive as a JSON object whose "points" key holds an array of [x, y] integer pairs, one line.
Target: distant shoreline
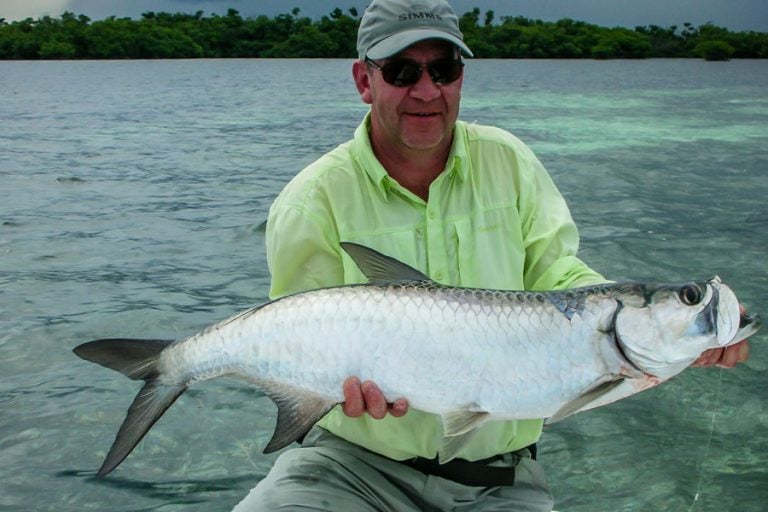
{"points": [[192, 36]]}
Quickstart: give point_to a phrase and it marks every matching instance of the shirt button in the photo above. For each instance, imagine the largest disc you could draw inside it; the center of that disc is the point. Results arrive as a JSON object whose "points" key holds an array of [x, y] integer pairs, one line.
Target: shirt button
{"points": [[432, 215], [439, 276]]}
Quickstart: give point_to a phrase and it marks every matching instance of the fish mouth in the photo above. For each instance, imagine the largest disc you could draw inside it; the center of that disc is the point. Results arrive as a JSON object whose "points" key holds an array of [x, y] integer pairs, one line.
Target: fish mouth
{"points": [[746, 320], [748, 325]]}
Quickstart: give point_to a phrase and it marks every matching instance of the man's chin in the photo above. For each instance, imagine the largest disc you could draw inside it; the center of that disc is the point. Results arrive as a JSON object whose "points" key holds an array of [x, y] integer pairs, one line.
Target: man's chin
{"points": [[424, 141]]}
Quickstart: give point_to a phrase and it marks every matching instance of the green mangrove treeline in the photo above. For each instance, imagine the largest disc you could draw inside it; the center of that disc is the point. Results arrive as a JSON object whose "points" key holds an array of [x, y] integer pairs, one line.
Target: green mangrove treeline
{"points": [[164, 35]]}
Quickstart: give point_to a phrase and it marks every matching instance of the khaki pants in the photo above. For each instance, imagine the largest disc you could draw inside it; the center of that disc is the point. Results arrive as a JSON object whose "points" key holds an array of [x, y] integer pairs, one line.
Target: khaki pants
{"points": [[331, 474]]}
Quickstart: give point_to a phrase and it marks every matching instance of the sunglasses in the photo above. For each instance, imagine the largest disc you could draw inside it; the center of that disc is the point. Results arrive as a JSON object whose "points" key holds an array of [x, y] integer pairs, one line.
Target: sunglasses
{"points": [[404, 72]]}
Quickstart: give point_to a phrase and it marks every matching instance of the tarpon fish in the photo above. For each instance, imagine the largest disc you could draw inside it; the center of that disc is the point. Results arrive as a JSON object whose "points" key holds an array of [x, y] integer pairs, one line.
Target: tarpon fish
{"points": [[468, 355]]}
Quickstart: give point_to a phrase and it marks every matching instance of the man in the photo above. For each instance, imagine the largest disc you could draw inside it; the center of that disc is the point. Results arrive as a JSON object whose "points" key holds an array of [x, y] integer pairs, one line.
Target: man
{"points": [[470, 206]]}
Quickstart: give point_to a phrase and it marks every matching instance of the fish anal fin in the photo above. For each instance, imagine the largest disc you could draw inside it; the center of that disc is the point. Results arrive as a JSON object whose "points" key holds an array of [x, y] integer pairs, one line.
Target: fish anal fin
{"points": [[148, 406], [582, 401], [458, 422], [297, 412], [450, 447], [379, 268], [458, 428]]}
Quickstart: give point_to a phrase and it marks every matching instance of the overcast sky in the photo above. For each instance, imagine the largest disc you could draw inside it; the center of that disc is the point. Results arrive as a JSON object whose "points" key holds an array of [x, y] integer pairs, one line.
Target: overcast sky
{"points": [[732, 14]]}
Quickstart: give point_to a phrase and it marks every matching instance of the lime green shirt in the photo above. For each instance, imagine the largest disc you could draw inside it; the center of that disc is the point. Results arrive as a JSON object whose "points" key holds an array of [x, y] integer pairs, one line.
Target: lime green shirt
{"points": [[494, 219]]}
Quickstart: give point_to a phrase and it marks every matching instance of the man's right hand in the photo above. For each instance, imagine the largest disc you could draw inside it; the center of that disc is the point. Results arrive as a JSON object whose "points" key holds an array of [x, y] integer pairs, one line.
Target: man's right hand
{"points": [[367, 397]]}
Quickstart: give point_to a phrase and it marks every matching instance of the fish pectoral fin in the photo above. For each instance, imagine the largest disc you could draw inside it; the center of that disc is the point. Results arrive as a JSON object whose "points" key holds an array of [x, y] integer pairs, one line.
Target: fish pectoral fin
{"points": [[297, 412], [456, 423], [582, 401], [379, 268]]}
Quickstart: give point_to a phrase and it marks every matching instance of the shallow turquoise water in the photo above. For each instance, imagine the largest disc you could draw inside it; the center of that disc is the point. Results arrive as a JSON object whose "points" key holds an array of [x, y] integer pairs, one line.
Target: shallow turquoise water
{"points": [[131, 201]]}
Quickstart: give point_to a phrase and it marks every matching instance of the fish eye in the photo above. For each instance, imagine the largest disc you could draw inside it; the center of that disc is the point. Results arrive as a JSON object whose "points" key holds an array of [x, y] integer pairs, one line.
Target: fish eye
{"points": [[690, 294]]}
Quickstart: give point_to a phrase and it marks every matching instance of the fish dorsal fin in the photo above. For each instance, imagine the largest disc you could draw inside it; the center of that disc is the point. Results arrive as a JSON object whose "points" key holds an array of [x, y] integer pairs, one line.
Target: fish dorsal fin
{"points": [[582, 401], [379, 268]]}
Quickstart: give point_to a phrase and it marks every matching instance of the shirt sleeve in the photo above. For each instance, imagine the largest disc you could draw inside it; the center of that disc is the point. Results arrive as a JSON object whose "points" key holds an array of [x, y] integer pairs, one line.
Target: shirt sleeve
{"points": [[550, 234], [302, 251]]}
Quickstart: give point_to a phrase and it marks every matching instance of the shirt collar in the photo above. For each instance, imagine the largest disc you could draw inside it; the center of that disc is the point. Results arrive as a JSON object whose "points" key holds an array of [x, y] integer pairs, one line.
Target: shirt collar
{"points": [[457, 163], [365, 156], [458, 157]]}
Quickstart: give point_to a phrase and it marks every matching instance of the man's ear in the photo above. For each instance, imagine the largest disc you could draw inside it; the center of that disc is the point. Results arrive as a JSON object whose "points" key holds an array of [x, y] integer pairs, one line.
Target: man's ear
{"points": [[362, 80]]}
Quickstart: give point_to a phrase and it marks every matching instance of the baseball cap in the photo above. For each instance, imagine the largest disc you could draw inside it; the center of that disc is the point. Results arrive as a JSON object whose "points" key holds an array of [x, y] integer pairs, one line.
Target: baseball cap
{"points": [[390, 26]]}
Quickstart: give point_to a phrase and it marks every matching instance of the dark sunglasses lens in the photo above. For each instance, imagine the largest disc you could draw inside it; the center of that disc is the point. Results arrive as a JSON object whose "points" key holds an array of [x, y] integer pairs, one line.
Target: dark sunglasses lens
{"points": [[401, 73], [445, 71], [405, 73]]}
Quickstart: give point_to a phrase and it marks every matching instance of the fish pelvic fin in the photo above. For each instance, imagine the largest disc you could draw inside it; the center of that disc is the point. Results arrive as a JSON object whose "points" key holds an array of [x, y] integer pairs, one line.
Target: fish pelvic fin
{"points": [[597, 391], [136, 359], [297, 412], [379, 268]]}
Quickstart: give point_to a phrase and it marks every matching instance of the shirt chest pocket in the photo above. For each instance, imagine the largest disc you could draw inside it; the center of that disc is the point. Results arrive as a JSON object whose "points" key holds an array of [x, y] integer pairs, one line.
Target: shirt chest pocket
{"points": [[490, 252]]}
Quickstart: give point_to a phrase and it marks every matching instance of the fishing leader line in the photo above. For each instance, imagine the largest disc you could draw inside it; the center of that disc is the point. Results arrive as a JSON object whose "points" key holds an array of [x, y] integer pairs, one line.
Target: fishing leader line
{"points": [[709, 441]]}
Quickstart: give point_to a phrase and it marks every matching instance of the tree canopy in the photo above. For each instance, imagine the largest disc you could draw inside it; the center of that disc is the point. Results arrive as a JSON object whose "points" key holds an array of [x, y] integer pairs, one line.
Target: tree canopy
{"points": [[170, 36]]}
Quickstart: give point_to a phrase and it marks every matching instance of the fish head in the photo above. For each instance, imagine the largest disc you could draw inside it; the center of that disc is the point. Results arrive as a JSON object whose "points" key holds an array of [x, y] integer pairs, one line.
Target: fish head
{"points": [[663, 329]]}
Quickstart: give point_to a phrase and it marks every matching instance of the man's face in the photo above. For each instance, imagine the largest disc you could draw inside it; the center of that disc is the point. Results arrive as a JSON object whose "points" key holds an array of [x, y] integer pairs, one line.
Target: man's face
{"points": [[415, 118]]}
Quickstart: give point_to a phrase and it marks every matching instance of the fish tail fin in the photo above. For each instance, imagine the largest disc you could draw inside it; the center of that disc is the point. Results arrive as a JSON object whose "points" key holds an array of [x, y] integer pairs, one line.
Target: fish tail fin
{"points": [[136, 359], [150, 403]]}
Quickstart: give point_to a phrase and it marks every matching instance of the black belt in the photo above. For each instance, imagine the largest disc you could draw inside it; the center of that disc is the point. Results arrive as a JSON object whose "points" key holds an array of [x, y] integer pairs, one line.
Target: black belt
{"points": [[476, 473]]}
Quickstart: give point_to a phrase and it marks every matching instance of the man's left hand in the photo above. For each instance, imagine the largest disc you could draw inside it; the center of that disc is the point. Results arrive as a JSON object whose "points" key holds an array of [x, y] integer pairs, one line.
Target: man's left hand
{"points": [[726, 357]]}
